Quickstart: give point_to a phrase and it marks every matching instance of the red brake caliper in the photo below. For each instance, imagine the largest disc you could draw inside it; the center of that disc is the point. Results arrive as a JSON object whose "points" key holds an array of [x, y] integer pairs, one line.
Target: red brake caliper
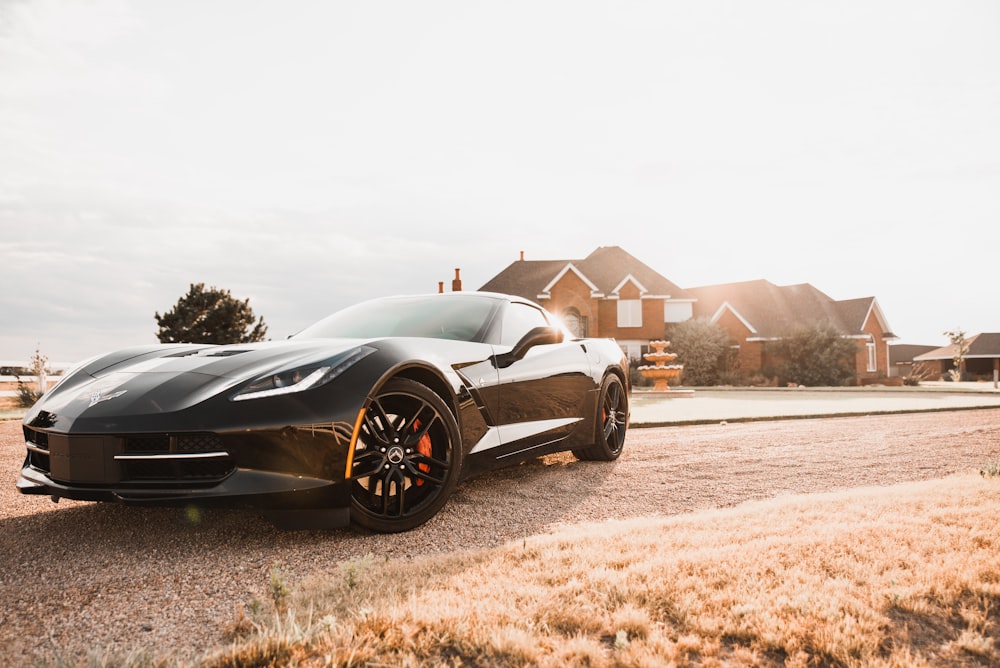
{"points": [[424, 448]]}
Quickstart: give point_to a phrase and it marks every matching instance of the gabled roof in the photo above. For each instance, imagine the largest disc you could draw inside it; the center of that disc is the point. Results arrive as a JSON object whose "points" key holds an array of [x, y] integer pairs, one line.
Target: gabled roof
{"points": [[727, 307], [525, 278], [630, 279], [605, 271], [985, 346], [567, 269], [772, 311], [856, 312]]}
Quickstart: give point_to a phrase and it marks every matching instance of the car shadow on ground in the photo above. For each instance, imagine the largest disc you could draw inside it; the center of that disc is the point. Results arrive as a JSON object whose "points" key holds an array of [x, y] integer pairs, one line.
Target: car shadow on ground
{"points": [[63, 560], [483, 512]]}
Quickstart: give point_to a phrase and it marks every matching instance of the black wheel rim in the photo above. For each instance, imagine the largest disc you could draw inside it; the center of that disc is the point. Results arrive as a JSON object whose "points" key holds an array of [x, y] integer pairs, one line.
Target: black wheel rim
{"points": [[613, 417], [402, 458]]}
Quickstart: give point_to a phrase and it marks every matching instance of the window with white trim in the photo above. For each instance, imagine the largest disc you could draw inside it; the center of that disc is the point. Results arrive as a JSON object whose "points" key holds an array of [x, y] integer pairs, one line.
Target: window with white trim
{"points": [[872, 357], [677, 311], [629, 313]]}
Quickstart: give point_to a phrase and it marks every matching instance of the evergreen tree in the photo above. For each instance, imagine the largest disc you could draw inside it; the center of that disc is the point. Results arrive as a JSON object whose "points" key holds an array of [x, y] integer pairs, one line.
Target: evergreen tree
{"points": [[210, 316]]}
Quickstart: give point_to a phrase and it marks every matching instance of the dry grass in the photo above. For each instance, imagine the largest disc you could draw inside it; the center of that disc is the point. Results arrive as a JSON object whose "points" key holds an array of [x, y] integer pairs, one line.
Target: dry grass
{"points": [[9, 403], [901, 576]]}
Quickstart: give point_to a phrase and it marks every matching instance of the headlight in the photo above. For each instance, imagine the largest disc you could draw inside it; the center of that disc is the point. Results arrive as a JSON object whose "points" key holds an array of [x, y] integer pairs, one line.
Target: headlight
{"points": [[298, 379]]}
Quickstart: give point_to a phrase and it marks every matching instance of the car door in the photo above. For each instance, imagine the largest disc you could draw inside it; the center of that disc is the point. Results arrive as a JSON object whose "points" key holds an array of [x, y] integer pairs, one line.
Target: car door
{"points": [[545, 395]]}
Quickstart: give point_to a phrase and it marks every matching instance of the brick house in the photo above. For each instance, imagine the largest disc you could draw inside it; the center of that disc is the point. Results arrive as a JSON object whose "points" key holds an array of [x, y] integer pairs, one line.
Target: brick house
{"points": [[609, 293], [612, 294], [757, 312]]}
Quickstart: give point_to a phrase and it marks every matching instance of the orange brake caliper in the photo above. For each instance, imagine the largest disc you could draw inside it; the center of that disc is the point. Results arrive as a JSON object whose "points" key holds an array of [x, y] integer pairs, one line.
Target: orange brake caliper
{"points": [[424, 448]]}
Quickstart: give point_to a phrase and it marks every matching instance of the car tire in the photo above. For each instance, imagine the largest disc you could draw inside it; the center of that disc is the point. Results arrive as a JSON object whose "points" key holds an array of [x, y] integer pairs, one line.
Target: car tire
{"points": [[407, 459], [610, 423]]}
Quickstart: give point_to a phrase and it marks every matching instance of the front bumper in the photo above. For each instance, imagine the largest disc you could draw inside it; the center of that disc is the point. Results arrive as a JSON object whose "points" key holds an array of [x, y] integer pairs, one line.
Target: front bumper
{"points": [[290, 502], [288, 469], [241, 489]]}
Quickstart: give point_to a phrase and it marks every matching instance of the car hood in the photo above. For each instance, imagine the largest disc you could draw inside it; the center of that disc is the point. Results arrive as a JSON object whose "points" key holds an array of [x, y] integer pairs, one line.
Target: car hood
{"points": [[170, 378]]}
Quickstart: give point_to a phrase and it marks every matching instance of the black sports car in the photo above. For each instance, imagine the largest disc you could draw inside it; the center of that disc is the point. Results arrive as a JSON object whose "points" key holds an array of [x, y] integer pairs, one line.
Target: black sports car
{"points": [[371, 416]]}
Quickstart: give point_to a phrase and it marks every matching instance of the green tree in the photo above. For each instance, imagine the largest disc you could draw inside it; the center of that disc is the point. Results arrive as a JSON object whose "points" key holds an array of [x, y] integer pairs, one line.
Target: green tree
{"points": [[210, 316], [815, 355], [702, 347]]}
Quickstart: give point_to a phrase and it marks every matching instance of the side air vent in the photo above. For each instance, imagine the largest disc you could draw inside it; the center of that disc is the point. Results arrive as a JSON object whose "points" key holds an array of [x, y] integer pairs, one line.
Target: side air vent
{"points": [[38, 449]]}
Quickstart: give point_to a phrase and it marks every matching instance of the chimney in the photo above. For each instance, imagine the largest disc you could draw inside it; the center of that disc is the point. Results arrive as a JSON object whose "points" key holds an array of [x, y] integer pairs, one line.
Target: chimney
{"points": [[456, 285], [440, 287], [522, 256]]}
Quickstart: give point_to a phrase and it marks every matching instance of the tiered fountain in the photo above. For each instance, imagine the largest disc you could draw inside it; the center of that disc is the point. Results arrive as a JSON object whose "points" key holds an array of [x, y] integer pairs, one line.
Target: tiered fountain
{"points": [[660, 372]]}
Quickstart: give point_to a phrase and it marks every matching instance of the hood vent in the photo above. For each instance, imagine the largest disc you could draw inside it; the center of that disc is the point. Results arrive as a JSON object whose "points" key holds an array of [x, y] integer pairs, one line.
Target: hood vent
{"points": [[210, 352]]}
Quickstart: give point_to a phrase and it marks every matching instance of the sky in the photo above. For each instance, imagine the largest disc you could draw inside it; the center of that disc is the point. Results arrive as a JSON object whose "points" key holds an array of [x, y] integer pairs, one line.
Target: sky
{"points": [[307, 155]]}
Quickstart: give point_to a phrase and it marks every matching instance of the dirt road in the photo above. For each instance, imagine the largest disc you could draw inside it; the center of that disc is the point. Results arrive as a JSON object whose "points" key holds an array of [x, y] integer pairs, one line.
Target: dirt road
{"points": [[78, 577]]}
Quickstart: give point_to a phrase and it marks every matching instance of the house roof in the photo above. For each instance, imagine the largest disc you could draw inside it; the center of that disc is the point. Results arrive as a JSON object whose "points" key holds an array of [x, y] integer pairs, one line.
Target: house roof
{"points": [[904, 353], [606, 270], [772, 311], [985, 345], [856, 312]]}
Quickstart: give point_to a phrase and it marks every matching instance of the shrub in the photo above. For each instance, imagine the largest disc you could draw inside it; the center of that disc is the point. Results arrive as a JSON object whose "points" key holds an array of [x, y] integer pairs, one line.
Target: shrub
{"points": [[39, 368], [635, 376], [919, 372], [816, 355], [703, 348], [26, 397]]}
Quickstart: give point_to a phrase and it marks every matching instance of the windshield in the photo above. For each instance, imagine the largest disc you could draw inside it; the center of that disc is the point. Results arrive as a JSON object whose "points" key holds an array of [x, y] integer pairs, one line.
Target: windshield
{"points": [[434, 316]]}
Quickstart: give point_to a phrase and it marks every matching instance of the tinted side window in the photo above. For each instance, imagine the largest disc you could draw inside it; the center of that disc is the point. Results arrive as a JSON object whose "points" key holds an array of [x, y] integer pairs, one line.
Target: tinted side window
{"points": [[518, 320]]}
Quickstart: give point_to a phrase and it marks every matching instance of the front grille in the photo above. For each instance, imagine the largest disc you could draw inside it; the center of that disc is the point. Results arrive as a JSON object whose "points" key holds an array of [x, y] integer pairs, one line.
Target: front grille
{"points": [[189, 458], [176, 470], [147, 443], [197, 443], [197, 458], [164, 443]]}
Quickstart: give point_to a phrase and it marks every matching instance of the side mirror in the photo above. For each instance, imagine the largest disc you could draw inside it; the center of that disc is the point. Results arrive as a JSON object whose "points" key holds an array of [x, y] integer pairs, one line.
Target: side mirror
{"points": [[539, 336]]}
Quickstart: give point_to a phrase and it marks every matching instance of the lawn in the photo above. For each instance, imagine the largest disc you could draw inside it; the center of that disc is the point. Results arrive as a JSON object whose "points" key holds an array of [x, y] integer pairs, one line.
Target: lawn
{"points": [[900, 576]]}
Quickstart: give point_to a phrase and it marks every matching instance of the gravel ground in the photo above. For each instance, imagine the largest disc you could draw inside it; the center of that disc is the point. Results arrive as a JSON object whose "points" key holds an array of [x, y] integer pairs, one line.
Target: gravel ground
{"points": [[78, 577]]}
